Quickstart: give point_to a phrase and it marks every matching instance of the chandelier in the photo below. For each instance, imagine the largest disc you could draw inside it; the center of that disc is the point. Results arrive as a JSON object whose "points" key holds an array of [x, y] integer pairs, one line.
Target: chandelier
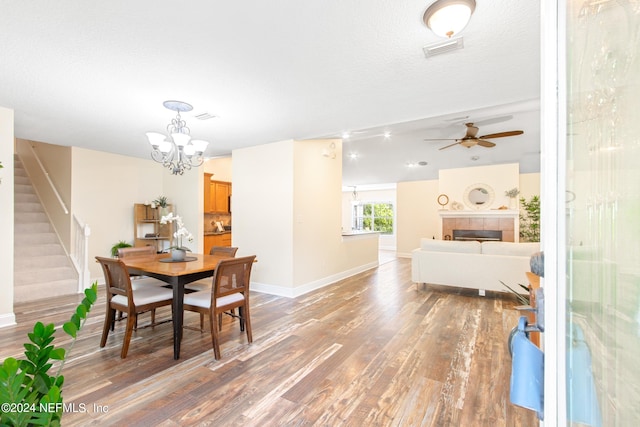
{"points": [[176, 150]]}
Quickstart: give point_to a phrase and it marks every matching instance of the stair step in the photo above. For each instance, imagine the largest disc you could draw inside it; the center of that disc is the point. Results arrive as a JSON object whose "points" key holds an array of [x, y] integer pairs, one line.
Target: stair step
{"points": [[30, 217], [21, 180], [37, 239], [45, 275], [23, 189], [42, 260], [37, 249], [28, 207], [49, 289], [26, 198], [37, 227]]}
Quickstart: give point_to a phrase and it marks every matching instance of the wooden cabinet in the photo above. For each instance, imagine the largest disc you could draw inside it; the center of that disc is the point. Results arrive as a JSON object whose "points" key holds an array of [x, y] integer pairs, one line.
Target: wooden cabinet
{"points": [[208, 206], [216, 240], [147, 228], [216, 195], [221, 192]]}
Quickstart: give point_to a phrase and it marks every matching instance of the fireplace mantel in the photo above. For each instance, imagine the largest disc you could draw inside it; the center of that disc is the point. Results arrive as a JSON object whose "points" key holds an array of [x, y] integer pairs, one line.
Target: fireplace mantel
{"points": [[499, 213], [505, 220]]}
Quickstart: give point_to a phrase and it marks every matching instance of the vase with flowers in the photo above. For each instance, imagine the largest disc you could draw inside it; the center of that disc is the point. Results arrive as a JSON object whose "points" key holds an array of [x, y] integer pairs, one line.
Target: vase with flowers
{"points": [[178, 252], [512, 194]]}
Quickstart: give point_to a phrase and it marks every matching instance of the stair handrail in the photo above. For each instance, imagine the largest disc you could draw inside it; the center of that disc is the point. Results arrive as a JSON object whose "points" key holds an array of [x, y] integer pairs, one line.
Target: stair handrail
{"points": [[80, 252], [51, 184]]}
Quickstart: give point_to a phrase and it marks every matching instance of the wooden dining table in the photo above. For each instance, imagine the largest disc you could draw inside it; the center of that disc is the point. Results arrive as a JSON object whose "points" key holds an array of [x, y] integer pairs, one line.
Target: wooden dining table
{"points": [[177, 274]]}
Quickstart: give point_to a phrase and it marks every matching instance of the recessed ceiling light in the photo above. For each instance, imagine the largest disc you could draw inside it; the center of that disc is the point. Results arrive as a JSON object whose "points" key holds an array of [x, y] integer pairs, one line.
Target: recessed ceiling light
{"points": [[387, 134], [411, 164], [422, 163], [345, 135], [474, 158], [353, 156]]}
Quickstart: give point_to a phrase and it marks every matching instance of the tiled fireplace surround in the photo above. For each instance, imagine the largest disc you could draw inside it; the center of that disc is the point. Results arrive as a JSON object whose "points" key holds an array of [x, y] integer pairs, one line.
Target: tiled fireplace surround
{"points": [[505, 221]]}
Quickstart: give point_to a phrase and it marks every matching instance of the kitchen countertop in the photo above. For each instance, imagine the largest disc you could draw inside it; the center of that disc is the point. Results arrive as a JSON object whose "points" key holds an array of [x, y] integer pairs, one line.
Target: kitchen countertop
{"points": [[216, 233]]}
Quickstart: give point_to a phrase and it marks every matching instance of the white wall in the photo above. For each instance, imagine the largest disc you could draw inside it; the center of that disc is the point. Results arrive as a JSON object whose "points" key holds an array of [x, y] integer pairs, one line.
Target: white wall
{"points": [[6, 217]]}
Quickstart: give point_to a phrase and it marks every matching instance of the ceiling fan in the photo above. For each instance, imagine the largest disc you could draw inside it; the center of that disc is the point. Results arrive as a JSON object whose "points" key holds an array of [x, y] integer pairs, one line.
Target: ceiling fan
{"points": [[470, 139]]}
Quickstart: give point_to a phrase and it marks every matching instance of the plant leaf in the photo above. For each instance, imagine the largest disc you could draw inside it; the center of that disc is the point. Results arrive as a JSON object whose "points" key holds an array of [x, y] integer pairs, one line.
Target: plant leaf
{"points": [[70, 328]]}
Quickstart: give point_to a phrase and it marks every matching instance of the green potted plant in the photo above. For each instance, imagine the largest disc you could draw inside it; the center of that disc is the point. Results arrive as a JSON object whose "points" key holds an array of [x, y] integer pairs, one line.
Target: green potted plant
{"points": [[162, 204], [28, 394], [120, 244], [530, 219]]}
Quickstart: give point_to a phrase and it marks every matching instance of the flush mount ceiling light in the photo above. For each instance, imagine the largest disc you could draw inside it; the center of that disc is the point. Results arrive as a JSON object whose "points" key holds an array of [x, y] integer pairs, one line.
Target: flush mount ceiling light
{"points": [[448, 17], [176, 150]]}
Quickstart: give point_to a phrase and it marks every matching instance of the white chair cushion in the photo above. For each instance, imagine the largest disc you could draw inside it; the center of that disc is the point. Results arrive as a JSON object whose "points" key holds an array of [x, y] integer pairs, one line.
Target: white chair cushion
{"points": [[145, 296], [146, 282], [200, 285], [203, 299]]}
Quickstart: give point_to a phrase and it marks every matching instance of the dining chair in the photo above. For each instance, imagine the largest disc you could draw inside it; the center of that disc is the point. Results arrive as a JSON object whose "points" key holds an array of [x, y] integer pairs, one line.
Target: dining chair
{"points": [[122, 297], [140, 251], [205, 284], [230, 290]]}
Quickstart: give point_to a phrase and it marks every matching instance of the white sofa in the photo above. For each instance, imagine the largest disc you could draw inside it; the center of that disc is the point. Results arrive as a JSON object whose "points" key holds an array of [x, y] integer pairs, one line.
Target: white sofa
{"points": [[471, 264]]}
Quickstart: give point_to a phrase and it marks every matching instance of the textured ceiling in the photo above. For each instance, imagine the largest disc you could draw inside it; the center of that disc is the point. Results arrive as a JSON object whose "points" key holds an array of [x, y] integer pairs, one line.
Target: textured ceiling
{"points": [[95, 74]]}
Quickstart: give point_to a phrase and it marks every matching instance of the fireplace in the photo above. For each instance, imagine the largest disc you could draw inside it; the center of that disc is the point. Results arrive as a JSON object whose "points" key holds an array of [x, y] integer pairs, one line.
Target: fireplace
{"points": [[503, 221], [479, 235]]}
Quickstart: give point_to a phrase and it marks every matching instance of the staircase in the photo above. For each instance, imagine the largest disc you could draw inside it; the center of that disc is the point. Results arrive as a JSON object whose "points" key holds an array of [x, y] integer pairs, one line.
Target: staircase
{"points": [[42, 269]]}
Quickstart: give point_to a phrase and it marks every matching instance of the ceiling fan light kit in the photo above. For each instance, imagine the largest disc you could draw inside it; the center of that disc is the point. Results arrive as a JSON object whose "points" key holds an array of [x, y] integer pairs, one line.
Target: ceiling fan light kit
{"points": [[176, 150], [448, 17]]}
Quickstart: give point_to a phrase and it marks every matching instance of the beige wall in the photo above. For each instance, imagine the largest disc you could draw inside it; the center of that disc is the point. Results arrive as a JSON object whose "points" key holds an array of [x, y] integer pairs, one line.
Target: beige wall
{"points": [[317, 203], [501, 178], [287, 211], [417, 214], [185, 194], [105, 188], [220, 168], [6, 217], [263, 210]]}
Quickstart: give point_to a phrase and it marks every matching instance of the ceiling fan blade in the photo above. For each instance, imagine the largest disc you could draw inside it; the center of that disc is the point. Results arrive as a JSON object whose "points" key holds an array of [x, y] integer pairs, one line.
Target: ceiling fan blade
{"points": [[487, 144], [451, 145], [501, 134]]}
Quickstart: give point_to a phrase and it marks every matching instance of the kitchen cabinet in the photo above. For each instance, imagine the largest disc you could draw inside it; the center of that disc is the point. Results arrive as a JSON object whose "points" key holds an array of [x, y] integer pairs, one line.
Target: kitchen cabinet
{"points": [[216, 195], [223, 239], [208, 206], [147, 228]]}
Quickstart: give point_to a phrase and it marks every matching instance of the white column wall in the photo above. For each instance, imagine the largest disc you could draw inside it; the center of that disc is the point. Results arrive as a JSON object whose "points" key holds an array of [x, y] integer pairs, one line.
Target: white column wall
{"points": [[7, 316]]}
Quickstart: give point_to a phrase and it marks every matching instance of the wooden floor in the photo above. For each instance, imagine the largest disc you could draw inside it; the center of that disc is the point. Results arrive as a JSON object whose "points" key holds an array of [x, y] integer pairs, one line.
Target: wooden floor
{"points": [[371, 350]]}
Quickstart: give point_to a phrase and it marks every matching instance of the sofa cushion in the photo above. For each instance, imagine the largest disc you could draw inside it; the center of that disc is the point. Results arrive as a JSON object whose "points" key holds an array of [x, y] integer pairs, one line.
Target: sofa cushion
{"points": [[463, 247], [510, 248]]}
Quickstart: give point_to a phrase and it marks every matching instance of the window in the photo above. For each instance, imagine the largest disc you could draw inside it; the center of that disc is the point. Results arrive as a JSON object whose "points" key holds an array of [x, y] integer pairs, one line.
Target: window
{"points": [[373, 216]]}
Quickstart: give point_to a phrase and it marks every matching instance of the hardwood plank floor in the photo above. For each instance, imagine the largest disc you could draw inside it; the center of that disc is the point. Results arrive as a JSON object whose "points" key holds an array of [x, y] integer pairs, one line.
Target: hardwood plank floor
{"points": [[371, 350]]}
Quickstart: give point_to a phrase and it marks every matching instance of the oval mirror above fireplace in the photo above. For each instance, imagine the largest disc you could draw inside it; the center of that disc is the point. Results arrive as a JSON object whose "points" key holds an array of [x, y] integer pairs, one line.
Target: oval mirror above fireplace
{"points": [[479, 196]]}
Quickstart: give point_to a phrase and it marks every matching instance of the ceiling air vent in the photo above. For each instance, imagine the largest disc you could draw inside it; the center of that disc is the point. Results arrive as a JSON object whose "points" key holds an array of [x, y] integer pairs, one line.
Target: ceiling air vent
{"points": [[444, 47], [204, 116]]}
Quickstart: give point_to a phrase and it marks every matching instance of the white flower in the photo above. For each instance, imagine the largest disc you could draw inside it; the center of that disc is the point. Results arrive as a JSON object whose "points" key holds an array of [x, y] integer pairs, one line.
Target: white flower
{"points": [[181, 231]]}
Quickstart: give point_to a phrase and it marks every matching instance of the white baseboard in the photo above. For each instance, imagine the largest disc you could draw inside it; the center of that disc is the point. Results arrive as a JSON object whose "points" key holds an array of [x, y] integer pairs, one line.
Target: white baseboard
{"points": [[7, 319], [403, 254], [284, 291]]}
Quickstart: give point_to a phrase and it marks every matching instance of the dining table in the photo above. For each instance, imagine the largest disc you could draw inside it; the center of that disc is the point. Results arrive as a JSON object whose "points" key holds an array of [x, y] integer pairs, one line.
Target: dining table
{"points": [[177, 274]]}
